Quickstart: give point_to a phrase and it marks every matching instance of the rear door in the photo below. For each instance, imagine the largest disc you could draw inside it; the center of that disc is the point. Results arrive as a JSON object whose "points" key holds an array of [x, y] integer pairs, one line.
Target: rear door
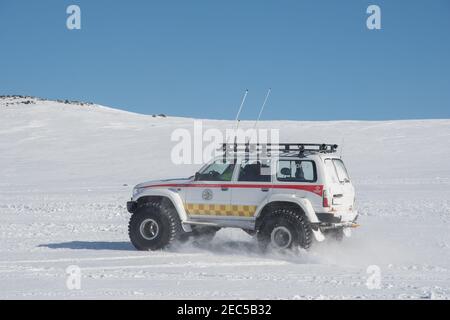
{"points": [[340, 186], [252, 188]]}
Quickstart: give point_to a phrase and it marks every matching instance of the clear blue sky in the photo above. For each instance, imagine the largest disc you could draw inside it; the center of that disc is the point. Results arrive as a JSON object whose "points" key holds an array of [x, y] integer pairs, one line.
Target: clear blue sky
{"points": [[196, 57]]}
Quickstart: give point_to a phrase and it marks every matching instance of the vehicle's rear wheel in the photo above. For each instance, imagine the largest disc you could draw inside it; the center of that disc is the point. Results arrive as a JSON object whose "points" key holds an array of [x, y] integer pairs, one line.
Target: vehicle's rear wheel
{"points": [[154, 227], [285, 229]]}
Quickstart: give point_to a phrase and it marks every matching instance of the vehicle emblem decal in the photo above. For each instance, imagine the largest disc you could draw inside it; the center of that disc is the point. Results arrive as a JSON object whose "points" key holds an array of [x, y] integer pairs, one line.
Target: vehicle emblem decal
{"points": [[207, 195]]}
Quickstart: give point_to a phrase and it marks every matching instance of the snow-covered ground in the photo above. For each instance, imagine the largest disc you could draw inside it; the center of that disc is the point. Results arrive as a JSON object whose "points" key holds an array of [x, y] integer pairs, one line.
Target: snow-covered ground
{"points": [[66, 172]]}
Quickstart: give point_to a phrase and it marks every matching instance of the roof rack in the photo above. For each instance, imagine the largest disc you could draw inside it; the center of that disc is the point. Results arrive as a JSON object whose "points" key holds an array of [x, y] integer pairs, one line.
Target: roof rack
{"points": [[282, 148]]}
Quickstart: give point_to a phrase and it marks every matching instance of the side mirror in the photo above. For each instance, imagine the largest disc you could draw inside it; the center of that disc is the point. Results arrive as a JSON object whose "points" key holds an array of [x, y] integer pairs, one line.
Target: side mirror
{"points": [[197, 176], [286, 172]]}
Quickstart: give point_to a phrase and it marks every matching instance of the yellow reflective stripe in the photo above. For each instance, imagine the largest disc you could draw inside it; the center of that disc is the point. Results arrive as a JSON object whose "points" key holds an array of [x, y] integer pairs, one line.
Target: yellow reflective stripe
{"points": [[220, 210]]}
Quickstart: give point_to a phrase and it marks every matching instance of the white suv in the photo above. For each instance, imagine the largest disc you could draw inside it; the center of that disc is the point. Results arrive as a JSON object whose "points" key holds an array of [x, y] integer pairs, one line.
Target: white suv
{"points": [[286, 196]]}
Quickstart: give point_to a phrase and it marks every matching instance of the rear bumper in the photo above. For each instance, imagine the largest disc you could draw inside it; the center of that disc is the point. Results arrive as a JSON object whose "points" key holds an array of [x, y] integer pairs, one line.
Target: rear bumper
{"points": [[331, 221], [328, 218], [131, 206], [341, 225]]}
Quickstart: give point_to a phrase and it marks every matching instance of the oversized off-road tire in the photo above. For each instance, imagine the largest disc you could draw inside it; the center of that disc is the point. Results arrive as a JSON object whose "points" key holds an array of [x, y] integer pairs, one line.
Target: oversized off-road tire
{"points": [[285, 229], [154, 226]]}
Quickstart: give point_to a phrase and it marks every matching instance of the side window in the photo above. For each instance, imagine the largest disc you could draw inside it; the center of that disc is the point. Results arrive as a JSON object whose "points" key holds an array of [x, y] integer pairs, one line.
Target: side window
{"points": [[331, 171], [296, 171], [255, 171], [218, 171]]}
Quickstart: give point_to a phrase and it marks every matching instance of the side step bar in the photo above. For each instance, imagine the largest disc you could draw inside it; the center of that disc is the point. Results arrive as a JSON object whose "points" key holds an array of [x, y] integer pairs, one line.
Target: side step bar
{"points": [[224, 223], [208, 224]]}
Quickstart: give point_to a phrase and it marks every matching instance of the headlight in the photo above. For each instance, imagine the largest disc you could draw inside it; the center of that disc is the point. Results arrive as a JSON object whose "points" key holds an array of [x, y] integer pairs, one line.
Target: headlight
{"points": [[136, 191]]}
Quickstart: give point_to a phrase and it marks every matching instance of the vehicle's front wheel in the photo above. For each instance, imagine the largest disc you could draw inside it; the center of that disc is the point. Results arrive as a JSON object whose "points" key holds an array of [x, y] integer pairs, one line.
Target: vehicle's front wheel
{"points": [[285, 229], [153, 227]]}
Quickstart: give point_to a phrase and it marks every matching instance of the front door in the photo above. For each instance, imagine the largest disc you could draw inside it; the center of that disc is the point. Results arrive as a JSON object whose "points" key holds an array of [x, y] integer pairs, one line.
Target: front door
{"points": [[210, 194]]}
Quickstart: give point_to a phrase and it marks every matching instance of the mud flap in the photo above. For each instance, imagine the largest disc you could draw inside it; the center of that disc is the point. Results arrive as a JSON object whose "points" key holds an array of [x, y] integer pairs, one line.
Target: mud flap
{"points": [[347, 232], [318, 235]]}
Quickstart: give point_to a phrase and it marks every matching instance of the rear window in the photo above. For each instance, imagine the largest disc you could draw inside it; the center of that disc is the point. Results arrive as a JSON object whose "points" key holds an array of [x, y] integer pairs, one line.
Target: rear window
{"points": [[331, 171], [336, 170], [296, 171], [341, 170]]}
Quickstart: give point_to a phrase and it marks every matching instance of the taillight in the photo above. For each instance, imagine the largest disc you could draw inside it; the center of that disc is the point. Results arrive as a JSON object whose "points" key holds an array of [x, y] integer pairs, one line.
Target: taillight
{"points": [[326, 199]]}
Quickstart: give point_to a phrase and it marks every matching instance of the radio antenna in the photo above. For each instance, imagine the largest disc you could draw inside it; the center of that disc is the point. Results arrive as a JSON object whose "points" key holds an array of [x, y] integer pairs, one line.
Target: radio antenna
{"points": [[262, 108], [240, 110], [342, 148]]}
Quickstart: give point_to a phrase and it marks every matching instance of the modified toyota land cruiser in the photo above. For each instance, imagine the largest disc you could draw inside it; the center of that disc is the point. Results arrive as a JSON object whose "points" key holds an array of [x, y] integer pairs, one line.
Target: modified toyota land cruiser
{"points": [[285, 194]]}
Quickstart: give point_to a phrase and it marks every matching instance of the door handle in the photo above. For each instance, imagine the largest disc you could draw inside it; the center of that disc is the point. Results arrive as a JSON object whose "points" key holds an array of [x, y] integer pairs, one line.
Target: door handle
{"points": [[265, 189], [225, 189]]}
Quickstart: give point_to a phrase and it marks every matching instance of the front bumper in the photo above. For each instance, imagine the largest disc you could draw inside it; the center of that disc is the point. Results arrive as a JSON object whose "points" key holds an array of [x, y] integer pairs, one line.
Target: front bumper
{"points": [[131, 206]]}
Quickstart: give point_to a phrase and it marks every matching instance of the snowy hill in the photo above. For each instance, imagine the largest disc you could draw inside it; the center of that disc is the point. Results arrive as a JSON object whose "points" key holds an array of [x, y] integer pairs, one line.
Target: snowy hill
{"points": [[67, 169], [47, 141]]}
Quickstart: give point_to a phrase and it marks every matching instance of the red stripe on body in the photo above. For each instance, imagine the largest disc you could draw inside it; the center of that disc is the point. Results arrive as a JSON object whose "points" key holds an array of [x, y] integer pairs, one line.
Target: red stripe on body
{"points": [[316, 189]]}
